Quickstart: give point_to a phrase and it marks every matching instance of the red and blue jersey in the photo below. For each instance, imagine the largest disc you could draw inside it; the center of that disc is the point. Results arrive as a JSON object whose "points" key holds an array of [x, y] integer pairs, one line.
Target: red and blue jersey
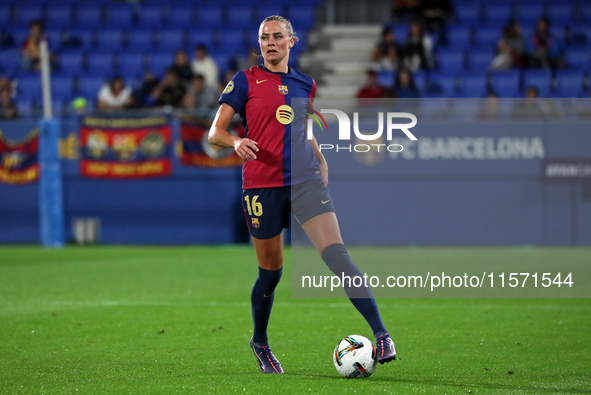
{"points": [[273, 108]]}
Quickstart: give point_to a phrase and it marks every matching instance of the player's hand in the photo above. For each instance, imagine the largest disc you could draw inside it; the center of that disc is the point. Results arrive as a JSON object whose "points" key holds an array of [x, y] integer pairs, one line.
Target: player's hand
{"points": [[324, 172], [246, 148]]}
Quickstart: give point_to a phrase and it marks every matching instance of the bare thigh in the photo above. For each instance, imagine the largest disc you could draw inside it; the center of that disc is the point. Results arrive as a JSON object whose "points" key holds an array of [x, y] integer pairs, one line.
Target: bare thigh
{"points": [[269, 252], [323, 230]]}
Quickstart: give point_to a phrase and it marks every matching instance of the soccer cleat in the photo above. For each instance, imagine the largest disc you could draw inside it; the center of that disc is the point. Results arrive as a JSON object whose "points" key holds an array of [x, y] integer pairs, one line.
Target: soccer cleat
{"points": [[267, 361], [386, 351]]}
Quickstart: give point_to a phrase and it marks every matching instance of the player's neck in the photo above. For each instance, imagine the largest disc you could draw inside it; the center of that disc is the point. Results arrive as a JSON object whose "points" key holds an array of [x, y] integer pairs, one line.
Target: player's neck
{"points": [[280, 67]]}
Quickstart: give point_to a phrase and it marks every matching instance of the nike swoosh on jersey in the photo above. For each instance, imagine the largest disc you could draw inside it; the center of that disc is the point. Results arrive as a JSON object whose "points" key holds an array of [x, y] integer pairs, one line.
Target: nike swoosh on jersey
{"points": [[260, 82], [325, 201]]}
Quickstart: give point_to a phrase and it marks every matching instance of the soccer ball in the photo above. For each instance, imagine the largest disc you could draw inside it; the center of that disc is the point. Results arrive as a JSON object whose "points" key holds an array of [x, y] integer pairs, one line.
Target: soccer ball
{"points": [[355, 356]]}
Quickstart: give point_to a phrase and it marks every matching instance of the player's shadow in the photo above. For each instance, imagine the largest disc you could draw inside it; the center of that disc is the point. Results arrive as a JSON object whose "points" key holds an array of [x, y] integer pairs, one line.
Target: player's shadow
{"points": [[472, 385]]}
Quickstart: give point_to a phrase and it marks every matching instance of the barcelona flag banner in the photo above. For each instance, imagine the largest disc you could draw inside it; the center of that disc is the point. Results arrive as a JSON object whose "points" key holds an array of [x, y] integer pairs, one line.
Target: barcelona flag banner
{"points": [[19, 162], [197, 151], [125, 147]]}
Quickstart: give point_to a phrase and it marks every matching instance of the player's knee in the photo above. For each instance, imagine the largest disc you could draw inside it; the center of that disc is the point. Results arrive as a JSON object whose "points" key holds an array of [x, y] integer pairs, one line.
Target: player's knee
{"points": [[336, 257]]}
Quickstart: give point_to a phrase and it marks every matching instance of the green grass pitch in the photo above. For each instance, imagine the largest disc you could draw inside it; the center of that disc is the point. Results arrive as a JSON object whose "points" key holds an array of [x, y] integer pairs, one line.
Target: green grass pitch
{"points": [[111, 320]]}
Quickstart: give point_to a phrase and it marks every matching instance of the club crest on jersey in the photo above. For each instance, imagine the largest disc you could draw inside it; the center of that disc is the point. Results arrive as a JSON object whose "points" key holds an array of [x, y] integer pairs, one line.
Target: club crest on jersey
{"points": [[284, 114], [255, 223], [283, 89]]}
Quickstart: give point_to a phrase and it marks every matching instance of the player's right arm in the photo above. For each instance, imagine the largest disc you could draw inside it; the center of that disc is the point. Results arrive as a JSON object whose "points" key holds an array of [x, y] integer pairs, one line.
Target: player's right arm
{"points": [[218, 134]]}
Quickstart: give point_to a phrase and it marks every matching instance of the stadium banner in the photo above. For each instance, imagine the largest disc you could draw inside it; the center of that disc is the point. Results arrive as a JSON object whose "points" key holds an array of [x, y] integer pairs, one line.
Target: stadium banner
{"points": [[197, 151], [125, 147], [19, 159], [566, 170]]}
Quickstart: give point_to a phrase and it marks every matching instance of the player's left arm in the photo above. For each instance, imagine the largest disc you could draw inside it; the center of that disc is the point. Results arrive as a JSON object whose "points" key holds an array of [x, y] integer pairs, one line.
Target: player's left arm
{"points": [[320, 157]]}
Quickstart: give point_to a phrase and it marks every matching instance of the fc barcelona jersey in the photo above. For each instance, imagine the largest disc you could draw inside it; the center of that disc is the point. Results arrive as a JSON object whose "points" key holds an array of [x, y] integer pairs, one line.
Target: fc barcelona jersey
{"points": [[273, 108]]}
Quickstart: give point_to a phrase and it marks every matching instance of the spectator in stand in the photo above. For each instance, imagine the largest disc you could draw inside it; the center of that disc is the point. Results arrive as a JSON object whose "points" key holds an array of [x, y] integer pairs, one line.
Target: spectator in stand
{"points": [[31, 54], [404, 85], [141, 96], [386, 53], [182, 67], [529, 107], [170, 91], [503, 59], [418, 50], [203, 64], [8, 109], [405, 10], [489, 108], [200, 98], [514, 40], [543, 48], [435, 13], [114, 95], [371, 90]]}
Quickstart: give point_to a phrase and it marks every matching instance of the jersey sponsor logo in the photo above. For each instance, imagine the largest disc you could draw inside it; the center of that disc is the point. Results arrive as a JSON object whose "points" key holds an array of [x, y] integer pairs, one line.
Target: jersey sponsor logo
{"points": [[283, 89], [229, 87], [284, 114], [261, 81], [255, 223]]}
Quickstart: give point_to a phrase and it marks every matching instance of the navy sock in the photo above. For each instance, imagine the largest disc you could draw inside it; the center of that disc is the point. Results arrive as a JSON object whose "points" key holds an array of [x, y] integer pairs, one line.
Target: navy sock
{"points": [[261, 299], [338, 261]]}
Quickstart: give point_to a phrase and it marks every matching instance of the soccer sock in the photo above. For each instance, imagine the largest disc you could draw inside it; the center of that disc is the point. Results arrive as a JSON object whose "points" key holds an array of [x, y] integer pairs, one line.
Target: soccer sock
{"points": [[261, 298], [339, 262]]}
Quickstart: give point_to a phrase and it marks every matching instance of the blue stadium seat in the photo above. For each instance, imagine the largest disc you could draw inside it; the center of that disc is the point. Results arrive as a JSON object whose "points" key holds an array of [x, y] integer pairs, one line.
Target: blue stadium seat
{"points": [[528, 12], [89, 85], [487, 36], [25, 13], [5, 14], [29, 86], [160, 61], [140, 39], [151, 15], [89, 15], [560, 12], [59, 15], [586, 12], [201, 36], [62, 87], [100, 62], [71, 62], [302, 16], [580, 34], [498, 13], [222, 58], [10, 61], [569, 83], [19, 35], [131, 63], [479, 59], [506, 83], [459, 36], [386, 78], [25, 106], [240, 16], [263, 11], [109, 38], [451, 60], [473, 85], [442, 84], [421, 78], [79, 38], [171, 39], [578, 57], [181, 16], [119, 15], [400, 32], [232, 40], [54, 38], [469, 12], [541, 79], [209, 15]]}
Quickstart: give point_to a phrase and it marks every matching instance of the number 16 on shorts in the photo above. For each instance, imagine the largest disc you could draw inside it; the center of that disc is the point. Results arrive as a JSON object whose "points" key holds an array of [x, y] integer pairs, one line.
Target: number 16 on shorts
{"points": [[274, 202]]}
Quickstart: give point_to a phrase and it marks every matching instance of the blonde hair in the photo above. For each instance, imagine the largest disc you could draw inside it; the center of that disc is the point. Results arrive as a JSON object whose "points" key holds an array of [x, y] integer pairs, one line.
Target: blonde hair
{"points": [[283, 20]]}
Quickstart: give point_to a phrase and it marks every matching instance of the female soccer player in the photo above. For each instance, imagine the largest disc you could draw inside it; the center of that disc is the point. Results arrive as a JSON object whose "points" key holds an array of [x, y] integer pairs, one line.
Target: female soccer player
{"points": [[273, 184]]}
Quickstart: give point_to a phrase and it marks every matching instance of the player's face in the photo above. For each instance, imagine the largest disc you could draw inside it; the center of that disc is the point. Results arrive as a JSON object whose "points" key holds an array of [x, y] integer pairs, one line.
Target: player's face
{"points": [[275, 41]]}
